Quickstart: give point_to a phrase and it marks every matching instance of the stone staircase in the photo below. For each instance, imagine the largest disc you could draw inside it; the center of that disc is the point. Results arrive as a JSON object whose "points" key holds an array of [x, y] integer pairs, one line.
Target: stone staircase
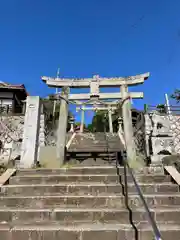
{"points": [[94, 148], [87, 203], [95, 142]]}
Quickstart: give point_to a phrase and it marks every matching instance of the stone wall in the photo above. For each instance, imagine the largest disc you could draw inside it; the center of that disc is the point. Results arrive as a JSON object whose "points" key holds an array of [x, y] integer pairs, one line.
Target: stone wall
{"points": [[139, 136], [11, 134], [175, 129]]}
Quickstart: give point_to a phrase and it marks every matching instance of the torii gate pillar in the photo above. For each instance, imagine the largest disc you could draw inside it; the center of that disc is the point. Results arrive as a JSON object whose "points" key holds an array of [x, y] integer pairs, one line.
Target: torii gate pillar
{"points": [[61, 132], [110, 120], [127, 121], [82, 120]]}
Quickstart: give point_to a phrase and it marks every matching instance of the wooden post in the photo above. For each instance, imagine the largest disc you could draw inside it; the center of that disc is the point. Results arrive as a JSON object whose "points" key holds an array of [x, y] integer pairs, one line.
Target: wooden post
{"points": [[110, 120], [127, 121], [62, 126]]}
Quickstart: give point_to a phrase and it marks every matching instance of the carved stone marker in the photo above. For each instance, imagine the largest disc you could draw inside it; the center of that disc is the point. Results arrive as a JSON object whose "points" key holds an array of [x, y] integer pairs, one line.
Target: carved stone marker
{"points": [[29, 151]]}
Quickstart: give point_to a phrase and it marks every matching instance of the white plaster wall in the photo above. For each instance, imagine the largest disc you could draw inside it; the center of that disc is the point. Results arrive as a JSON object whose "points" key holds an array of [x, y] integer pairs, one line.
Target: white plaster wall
{"points": [[6, 102]]}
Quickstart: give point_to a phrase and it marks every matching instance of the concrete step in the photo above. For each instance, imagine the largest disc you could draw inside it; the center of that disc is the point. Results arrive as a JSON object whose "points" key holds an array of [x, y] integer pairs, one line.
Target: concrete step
{"points": [[93, 161], [72, 170], [167, 231], [87, 170], [88, 201], [85, 188], [94, 231], [38, 179], [89, 215], [56, 231], [97, 149], [61, 201], [89, 155], [63, 215]]}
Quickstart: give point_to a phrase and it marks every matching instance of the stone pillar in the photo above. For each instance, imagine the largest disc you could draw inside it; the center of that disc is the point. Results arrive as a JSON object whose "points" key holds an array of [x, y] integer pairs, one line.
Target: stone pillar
{"points": [[29, 151], [110, 120], [82, 120], [62, 126], [167, 105], [127, 122], [42, 127], [72, 125]]}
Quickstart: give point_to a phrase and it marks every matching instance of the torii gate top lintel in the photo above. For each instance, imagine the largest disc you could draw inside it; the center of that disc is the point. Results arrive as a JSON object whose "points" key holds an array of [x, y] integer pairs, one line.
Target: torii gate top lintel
{"points": [[102, 81]]}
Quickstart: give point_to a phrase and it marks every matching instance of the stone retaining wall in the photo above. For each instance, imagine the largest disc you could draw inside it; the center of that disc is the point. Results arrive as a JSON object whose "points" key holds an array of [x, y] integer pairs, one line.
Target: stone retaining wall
{"points": [[11, 134]]}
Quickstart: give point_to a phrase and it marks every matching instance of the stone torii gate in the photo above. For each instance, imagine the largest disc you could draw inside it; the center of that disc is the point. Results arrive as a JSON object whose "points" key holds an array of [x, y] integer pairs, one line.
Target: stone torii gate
{"points": [[106, 107], [94, 84]]}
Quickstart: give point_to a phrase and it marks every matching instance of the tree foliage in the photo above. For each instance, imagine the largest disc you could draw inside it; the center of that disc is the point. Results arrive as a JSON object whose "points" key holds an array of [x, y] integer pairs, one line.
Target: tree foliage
{"points": [[161, 108], [176, 95], [100, 122]]}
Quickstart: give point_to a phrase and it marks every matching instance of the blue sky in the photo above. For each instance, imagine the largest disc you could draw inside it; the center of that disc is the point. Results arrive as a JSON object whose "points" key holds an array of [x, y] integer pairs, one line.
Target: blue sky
{"points": [[86, 37]]}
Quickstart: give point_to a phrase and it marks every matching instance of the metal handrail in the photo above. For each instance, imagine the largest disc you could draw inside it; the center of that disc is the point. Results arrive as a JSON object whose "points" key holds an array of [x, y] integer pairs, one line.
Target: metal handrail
{"points": [[164, 110], [151, 219]]}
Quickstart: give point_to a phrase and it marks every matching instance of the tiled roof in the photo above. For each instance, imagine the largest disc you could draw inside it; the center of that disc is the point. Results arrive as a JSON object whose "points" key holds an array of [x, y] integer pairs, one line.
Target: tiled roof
{"points": [[11, 86], [6, 85]]}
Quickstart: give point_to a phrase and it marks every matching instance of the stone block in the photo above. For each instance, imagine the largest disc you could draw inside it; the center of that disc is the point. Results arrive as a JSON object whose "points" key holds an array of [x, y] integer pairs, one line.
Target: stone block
{"points": [[47, 157], [162, 143], [29, 152], [99, 234]]}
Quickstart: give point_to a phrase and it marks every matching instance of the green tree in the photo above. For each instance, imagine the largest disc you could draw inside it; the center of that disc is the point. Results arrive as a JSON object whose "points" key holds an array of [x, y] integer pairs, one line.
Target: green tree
{"points": [[90, 127], [161, 108], [78, 124], [99, 122]]}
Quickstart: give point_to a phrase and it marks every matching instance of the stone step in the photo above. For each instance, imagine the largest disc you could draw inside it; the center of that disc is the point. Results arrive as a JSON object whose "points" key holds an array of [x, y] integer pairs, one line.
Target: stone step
{"points": [[89, 215], [167, 231], [90, 155], [88, 201], [88, 170], [97, 150], [72, 170], [85, 188], [97, 146], [38, 179], [63, 215], [93, 161], [56, 231], [94, 231]]}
